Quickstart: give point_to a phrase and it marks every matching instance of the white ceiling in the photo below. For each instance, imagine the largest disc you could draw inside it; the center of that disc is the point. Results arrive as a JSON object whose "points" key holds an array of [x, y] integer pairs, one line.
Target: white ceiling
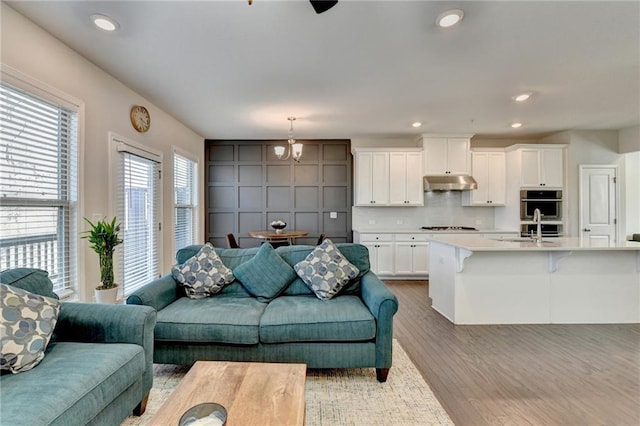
{"points": [[366, 68]]}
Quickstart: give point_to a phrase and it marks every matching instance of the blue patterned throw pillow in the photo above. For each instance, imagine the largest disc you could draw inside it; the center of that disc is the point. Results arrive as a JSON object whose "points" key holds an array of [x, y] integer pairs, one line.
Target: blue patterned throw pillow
{"points": [[325, 270], [204, 274], [26, 326], [265, 275]]}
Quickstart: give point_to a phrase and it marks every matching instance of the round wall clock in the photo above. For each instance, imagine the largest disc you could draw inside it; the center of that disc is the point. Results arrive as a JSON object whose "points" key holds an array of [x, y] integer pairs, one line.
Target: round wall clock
{"points": [[140, 118]]}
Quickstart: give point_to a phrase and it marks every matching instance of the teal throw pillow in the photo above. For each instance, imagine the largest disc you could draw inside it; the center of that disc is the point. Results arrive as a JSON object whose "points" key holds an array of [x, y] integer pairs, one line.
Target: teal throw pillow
{"points": [[325, 270], [27, 323], [266, 275], [204, 274]]}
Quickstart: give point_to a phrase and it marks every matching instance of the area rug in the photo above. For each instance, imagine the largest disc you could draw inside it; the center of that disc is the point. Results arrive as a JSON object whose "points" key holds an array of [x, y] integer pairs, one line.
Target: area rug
{"points": [[339, 396]]}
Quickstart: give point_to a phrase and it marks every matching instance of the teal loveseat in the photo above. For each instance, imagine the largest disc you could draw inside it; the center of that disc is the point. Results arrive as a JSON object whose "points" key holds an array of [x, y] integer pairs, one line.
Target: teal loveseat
{"points": [[97, 369], [353, 329]]}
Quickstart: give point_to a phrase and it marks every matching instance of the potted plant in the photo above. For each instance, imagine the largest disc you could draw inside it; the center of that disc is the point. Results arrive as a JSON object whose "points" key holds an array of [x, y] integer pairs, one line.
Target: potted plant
{"points": [[103, 237]]}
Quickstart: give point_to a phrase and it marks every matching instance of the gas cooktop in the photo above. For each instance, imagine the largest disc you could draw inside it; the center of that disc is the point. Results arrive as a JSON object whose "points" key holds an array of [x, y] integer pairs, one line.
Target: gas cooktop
{"points": [[448, 228]]}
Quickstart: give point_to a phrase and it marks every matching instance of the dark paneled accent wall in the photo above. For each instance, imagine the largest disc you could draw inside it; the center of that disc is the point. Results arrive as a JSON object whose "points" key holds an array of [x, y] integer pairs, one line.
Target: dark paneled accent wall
{"points": [[248, 187]]}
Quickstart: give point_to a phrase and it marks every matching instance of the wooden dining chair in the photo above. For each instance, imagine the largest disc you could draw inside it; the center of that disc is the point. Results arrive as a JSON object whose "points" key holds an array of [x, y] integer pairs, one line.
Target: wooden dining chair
{"points": [[321, 238], [231, 241]]}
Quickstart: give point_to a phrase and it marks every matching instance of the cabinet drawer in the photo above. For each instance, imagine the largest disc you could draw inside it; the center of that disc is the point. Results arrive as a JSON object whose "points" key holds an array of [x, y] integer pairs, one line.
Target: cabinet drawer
{"points": [[367, 238], [413, 237]]}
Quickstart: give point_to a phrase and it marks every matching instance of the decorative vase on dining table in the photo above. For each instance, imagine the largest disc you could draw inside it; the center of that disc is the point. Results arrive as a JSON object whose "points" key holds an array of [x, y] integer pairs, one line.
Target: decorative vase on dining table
{"points": [[278, 225]]}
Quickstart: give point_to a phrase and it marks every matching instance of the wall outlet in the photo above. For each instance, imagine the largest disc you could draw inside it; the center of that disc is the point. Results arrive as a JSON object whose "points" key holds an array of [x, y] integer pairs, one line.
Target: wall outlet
{"points": [[399, 222], [372, 222], [96, 217], [478, 222], [333, 215]]}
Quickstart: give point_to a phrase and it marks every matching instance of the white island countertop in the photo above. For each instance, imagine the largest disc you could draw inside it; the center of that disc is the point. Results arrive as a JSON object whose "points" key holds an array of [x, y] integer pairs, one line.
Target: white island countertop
{"points": [[431, 231], [489, 244]]}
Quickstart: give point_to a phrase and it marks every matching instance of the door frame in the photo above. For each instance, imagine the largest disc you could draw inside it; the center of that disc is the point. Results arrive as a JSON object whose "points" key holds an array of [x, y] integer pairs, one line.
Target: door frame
{"points": [[581, 169]]}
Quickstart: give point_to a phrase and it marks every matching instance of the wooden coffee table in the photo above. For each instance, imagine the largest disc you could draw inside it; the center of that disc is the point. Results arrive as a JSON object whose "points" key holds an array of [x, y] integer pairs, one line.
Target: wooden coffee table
{"points": [[253, 393]]}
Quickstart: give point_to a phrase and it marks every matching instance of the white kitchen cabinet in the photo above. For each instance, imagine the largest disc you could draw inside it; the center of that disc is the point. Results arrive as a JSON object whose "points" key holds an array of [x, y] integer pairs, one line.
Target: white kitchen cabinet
{"points": [[411, 255], [405, 179], [488, 168], [381, 252], [372, 178], [446, 155], [385, 177], [541, 167]]}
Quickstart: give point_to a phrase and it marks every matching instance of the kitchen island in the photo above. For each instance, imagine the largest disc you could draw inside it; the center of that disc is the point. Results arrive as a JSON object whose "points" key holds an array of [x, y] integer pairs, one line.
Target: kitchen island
{"points": [[476, 280]]}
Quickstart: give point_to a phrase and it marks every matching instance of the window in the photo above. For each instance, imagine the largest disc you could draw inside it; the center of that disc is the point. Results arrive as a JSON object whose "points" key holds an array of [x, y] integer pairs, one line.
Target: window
{"points": [[185, 201], [138, 212], [38, 185]]}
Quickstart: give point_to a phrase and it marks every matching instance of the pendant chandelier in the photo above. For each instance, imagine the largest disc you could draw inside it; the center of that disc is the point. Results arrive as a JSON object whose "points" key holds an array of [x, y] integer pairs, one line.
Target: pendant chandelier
{"points": [[294, 149]]}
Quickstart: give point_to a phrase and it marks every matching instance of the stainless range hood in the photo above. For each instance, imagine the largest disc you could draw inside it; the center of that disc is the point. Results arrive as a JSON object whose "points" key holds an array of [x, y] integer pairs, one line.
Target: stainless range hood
{"points": [[449, 183]]}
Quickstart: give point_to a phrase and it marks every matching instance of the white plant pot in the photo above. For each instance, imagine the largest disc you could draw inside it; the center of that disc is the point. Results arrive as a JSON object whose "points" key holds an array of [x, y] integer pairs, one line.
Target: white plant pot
{"points": [[108, 296]]}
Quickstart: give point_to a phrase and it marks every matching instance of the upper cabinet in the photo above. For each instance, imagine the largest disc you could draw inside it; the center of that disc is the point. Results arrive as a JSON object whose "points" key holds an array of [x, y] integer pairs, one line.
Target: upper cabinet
{"points": [[444, 155], [371, 178], [405, 179], [488, 168], [388, 177], [541, 167]]}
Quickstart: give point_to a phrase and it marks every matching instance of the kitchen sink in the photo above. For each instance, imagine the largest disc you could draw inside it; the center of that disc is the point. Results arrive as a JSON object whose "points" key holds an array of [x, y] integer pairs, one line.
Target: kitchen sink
{"points": [[525, 240]]}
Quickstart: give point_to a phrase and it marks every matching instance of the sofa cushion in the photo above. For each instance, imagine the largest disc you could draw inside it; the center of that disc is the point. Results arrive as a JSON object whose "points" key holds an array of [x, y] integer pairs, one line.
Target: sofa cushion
{"points": [[203, 274], [265, 275], [28, 320], [33, 280], [357, 254], [308, 319], [325, 270], [220, 319], [72, 384]]}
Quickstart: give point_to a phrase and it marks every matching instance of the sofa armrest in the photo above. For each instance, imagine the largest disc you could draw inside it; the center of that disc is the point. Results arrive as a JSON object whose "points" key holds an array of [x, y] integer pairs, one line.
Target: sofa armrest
{"points": [[158, 294], [96, 323], [383, 305]]}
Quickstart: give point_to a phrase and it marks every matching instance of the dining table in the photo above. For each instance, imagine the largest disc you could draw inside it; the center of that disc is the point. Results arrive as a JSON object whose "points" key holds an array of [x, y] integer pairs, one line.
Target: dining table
{"points": [[279, 236]]}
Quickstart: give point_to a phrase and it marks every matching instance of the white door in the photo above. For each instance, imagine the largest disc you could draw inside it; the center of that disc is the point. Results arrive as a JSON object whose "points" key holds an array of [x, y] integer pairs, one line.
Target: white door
{"points": [[598, 203]]}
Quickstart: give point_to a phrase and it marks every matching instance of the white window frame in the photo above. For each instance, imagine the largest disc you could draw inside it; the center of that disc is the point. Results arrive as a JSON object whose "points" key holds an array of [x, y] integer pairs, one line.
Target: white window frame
{"points": [[122, 144], [196, 225], [51, 94]]}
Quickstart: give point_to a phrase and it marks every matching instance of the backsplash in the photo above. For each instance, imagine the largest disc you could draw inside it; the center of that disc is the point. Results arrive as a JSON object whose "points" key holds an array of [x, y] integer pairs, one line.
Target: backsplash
{"points": [[440, 208]]}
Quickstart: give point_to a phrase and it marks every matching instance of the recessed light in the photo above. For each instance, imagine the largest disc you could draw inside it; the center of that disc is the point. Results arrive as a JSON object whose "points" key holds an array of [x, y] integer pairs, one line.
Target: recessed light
{"points": [[516, 125], [450, 18], [522, 97], [416, 124], [104, 22]]}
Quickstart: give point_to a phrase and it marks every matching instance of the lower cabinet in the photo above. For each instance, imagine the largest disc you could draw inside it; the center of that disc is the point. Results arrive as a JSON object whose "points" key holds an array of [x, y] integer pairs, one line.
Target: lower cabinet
{"points": [[397, 255]]}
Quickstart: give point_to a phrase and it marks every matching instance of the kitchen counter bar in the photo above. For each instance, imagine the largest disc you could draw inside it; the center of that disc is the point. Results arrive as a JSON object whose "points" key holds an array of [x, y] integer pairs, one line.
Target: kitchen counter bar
{"points": [[475, 280]]}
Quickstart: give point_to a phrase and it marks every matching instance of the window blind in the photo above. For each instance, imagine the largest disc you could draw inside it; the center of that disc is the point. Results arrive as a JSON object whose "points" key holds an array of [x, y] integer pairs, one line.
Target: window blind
{"points": [[185, 201], [138, 212], [38, 186]]}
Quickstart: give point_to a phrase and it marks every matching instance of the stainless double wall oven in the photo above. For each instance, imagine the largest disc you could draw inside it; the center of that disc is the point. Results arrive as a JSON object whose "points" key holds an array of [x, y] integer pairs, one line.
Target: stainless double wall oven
{"points": [[549, 202]]}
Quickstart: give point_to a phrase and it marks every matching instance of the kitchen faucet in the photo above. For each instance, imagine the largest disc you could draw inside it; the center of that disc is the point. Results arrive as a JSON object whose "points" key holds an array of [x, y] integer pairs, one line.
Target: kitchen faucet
{"points": [[537, 218]]}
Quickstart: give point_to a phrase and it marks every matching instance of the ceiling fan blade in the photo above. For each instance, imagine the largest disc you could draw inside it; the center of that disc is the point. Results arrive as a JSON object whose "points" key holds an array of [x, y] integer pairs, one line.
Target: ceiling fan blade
{"points": [[322, 5]]}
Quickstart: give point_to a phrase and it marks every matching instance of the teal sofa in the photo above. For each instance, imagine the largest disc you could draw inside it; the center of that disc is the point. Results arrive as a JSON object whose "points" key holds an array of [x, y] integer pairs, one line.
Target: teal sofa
{"points": [[353, 329], [97, 369]]}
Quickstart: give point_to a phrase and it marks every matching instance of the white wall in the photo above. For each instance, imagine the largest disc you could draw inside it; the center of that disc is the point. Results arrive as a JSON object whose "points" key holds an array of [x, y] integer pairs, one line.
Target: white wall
{"points": [[629, 139], [107, 102]]}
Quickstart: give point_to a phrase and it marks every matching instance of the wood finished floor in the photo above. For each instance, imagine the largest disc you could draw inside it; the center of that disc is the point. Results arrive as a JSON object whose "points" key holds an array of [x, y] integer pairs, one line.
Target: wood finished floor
{"points": [[521, 374]]}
